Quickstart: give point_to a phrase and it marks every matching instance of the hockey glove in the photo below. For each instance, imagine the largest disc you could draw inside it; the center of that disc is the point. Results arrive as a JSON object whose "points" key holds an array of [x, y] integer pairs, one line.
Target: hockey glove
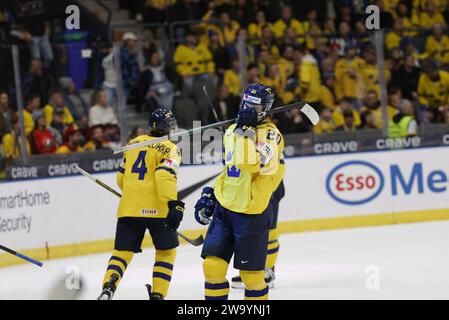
{"points": [[175, 214], [247, 116], [204, 207]]}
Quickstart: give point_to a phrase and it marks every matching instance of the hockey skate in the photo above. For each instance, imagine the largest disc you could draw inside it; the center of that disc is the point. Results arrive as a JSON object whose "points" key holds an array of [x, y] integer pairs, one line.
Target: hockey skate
{"points": [[109, 289], [153, 295]]}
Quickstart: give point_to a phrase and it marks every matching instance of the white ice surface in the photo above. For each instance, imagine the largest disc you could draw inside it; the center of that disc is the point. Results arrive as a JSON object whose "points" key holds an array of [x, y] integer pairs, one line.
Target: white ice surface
{"points": [[412, 259]]}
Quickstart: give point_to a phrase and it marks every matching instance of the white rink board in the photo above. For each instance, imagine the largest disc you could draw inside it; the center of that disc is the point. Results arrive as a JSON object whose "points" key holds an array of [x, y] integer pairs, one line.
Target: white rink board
{"points": [[77, 210], [413, 180]]}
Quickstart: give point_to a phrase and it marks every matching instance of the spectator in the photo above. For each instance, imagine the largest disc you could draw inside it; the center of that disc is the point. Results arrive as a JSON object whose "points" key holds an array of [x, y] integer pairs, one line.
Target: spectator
{"points": [[36, 81], [348, 123], [268, 42], [32, 15], [252, 73], [137, 131], [33, 104], [294, 122], [12, 142], [348, 75], [394, 37], [225, 104], [97, 141], [5, 113], [255, 28], [309, 78], [58, 126], [430, 17], [409, 20], [73, 140], [372, 104], [110, 76], [154, 86], [273, 79], [285, 63], [386, 18], [100, 112], [128, 62], [437, 45], [287, 21], [326, 124], [249, 51], [327, 91], [230, 27], [344, 38], [433, 88], [220, 54], [403, 124], [368, 120], [194, 62], [73, 99], [112, 135], [232, 77], [55, 102], [345, 107], [42, 139], [311, 27], [370, 71], [406, 78]]}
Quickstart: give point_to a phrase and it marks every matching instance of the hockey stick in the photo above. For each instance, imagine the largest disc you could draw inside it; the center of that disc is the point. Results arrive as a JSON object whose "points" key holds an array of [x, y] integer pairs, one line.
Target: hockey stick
{"points": [[209, 101], [196, 242], [22, 256], [305, 108]]}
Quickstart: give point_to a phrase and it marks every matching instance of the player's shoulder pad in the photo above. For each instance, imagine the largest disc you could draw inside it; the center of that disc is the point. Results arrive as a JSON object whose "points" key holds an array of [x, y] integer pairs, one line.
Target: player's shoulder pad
{"points": [[267, 124], [138, 139]]}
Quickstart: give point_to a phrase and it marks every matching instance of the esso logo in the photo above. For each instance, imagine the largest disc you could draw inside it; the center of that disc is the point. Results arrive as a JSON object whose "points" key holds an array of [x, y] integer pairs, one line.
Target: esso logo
{"points": [[354, 182]]}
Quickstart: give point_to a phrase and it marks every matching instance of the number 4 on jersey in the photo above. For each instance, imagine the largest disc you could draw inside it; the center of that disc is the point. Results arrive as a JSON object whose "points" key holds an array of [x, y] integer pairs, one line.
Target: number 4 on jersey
{"points": [[140, 166]]}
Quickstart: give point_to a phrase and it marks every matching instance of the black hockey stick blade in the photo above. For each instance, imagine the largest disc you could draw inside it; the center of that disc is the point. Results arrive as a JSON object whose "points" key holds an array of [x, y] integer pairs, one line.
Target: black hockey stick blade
{"points": [[195, 242]]}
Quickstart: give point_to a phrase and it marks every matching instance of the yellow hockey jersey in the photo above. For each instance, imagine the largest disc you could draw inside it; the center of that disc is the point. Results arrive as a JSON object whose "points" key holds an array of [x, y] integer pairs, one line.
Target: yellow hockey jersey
{"points": [[147, 177], [250, 173]]}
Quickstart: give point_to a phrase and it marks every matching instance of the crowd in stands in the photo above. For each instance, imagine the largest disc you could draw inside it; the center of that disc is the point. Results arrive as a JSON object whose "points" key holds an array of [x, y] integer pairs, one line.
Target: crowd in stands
{"points": [[316, 51]]}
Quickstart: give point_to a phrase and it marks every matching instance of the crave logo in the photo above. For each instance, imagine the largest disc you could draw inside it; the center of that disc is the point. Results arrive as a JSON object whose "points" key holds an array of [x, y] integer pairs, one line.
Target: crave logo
{"points": [[355, 182], [358, 182]]}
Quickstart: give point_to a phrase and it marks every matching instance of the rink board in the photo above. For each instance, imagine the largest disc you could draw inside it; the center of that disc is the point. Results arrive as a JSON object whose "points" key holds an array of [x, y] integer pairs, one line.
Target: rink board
{"points": [[59, 217]]}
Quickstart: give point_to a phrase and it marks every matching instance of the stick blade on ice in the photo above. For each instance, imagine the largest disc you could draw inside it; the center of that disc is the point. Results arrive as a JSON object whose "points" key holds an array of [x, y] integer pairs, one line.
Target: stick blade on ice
{"points": [[311, 113]]}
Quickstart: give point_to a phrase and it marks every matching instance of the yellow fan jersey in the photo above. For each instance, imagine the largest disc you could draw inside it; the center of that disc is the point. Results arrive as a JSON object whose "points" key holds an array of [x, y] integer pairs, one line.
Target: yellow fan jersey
{"points": [[434, 93], [147, 177], [348, 76], [250, 173]]}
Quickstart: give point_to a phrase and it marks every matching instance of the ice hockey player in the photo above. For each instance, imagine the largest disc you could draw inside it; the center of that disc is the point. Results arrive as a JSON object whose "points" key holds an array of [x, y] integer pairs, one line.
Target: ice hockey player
{"points": [[147, 178], [238, 207], [278, 194]]}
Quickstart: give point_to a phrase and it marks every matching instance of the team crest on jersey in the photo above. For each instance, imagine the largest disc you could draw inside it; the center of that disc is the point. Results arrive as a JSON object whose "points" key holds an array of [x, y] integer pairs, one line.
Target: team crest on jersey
{"points": [[148, 212]]}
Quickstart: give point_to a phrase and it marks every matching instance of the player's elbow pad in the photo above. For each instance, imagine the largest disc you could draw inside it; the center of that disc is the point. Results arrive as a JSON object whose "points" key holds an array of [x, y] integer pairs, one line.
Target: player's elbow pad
{"points": [[166, 184]]}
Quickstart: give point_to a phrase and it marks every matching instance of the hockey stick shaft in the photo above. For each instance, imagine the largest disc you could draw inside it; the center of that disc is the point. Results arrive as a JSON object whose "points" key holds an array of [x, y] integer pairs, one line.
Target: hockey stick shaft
{"points": [[22, 256], [209, 101], [196, 242], [305, 108]]}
